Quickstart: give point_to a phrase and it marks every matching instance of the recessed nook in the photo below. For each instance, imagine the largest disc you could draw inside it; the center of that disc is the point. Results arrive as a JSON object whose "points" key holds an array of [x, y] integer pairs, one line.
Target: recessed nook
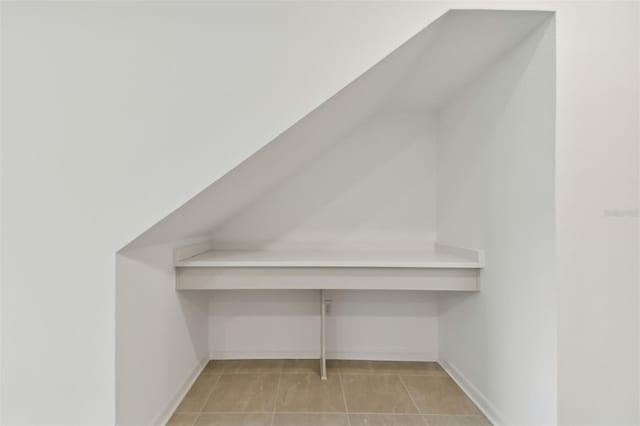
{"points": [[392, 223]]}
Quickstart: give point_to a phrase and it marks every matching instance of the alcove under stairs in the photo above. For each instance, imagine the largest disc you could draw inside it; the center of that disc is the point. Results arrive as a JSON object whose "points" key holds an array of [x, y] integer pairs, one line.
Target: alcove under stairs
{"points": [[356, 184], [428, 173]]}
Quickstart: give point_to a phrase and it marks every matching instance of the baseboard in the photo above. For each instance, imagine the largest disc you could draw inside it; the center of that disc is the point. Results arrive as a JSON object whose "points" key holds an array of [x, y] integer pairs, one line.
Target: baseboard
{"points": [[264, 355], [488, 409], [382, 356], [179, 395], [364, 355]]}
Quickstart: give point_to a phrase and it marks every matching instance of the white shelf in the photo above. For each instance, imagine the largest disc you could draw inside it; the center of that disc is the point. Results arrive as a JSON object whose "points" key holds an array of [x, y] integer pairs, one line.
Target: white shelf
{"points": [[444, 268], [323, 259]]}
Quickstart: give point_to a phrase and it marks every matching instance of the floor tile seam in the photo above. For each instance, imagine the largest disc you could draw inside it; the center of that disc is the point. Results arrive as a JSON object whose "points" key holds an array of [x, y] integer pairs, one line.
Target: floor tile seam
{"points": [[206, 401], [360, 413], [451, 415], [313, 412], [335, 413], [391, 373], [344, 398], [430, 374], [275, 399], [278, 412], [424, 416], [406, 389], [237, 412]]}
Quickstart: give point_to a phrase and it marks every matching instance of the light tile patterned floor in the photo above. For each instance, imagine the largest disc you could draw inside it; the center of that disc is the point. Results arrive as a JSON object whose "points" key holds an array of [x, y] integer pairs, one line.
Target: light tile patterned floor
{"points": [[357, 393]]}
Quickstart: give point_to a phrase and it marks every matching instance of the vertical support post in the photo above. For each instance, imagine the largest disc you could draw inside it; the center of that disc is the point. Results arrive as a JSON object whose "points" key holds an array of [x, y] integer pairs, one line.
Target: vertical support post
{"points": [[323, 354]]}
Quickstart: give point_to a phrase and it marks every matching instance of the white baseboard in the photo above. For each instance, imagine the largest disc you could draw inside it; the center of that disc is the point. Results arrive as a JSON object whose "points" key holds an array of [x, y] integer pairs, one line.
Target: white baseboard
{"points": [[488, 409], [365, 355], [264, 355], [179, 395], [382, 356]]}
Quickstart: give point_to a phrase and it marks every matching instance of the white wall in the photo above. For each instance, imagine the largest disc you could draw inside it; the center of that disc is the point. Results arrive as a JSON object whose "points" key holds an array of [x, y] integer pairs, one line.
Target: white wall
{"points": [[383, 325], [115, 113], [496, 192], [373, 189], [161, 336], [597, 219], [360, 325]]}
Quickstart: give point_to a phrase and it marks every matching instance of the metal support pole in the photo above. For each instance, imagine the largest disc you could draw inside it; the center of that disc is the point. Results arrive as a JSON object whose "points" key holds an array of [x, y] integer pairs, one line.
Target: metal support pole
{"points": [[323, 355]]}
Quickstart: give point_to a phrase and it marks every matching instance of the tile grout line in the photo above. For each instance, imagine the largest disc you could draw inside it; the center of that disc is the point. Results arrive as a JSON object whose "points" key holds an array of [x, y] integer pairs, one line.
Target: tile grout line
{"points": [[413, 401], [331, 412], [226, 371], [275, 400], [344, 396], [208, 395], [424, 420]]}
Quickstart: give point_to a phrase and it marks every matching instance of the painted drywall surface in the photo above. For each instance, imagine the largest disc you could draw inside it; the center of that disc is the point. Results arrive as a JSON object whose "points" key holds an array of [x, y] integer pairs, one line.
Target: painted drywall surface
{"points": [[299, 145], [496, 191], [383, 325], [373, 189], [113, 115], [597, 220], [360, 325], [596, 173], [418, 75], [464, 43], [161, 335], [50, 117]]}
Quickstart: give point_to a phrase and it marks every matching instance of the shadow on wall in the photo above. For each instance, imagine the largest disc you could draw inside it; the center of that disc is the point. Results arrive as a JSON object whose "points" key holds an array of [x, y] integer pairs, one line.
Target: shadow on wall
{"points": [[499, 171], [328, 124], [474, 175], [157, 330], [372, 187], [286, 324], [307, 303]]}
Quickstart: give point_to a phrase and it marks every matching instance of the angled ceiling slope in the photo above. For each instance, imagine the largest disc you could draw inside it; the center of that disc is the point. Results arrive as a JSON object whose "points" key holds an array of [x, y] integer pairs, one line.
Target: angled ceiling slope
{"points": [[421, 74]]}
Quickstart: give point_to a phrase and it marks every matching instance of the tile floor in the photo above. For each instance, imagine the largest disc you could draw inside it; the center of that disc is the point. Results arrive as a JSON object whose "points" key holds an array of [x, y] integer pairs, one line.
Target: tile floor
{"points": [[356, 393]]}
